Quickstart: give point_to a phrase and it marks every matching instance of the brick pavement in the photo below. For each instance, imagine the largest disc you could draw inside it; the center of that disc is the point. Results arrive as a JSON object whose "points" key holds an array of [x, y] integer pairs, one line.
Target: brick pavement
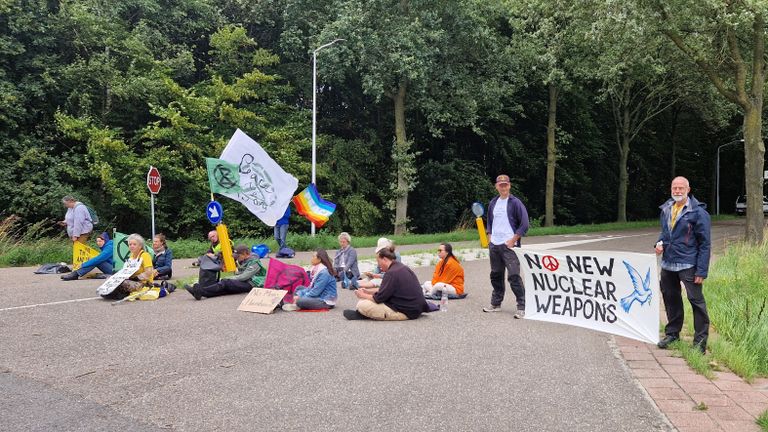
{"points": [[691, 401]]}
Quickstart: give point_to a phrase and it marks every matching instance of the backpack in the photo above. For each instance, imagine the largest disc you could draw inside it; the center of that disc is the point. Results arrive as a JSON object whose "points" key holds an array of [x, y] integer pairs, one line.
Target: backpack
{"points": [[92, 213]]}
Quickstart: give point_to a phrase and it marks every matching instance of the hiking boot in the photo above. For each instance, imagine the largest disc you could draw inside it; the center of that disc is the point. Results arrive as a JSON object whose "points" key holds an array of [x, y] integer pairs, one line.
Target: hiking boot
{"points": [[70, 276], [664, 343], [520, 314], [700, 346], [193, 290], [492, 308], [352, 314]]}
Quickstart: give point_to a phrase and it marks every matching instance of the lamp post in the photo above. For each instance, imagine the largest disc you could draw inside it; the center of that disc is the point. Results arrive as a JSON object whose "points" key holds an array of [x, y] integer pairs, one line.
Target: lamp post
{"points": [[314, 115], [717, 173]]}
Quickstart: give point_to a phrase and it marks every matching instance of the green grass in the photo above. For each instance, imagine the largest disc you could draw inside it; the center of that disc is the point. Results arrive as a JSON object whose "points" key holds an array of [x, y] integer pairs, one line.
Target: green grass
{"points": [[695, 359], [34, 245], [737, 300], [763, 421]]}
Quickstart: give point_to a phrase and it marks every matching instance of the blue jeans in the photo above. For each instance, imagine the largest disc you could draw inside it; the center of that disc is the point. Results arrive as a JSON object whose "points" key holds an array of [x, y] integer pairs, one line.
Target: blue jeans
{"points": [[349, 283], [281, 233], [106, 267], [312, 304]]}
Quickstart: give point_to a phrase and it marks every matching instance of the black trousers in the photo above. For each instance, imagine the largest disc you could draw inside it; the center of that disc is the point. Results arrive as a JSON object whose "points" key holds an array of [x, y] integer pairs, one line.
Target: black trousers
{"points": [[673, 303], [224, 287], [503, 258]]}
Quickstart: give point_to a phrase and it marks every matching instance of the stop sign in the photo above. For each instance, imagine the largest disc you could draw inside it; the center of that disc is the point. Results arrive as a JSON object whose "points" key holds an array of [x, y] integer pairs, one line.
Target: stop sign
{"points": [[153, 180]]}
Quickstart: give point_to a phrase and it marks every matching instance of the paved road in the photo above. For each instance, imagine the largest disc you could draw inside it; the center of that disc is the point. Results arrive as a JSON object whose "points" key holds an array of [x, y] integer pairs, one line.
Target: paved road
{"points": [[68, 363]]}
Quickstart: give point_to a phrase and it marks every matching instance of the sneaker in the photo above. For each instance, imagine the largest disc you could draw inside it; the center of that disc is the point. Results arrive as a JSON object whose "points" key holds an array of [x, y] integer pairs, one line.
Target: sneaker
{"points": [[352, 314], [492, 308], [70, 276], [520, 314], [290, 307], [664, 343]]}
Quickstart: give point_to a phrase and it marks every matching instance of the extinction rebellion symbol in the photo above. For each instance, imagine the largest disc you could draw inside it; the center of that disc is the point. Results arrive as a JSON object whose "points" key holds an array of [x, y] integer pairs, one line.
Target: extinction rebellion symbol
{"points": [[549, 262]]}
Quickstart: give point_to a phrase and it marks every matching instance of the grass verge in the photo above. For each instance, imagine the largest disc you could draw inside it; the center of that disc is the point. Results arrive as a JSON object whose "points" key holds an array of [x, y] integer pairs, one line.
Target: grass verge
{"points": [[763, 421]]}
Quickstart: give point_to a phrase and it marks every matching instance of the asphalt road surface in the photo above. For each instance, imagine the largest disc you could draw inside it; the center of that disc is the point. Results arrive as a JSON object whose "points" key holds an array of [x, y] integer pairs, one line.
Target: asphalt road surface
{"points": [[69, 361]]}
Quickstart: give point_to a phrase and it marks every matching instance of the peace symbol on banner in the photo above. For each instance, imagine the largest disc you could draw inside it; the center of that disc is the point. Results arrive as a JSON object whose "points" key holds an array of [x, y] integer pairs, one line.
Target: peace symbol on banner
{"points": [[550, 263]]}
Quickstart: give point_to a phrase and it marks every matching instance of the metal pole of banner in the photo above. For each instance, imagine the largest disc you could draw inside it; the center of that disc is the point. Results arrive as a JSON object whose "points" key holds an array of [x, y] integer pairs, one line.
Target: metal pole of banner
{"points": [[314, 117]]}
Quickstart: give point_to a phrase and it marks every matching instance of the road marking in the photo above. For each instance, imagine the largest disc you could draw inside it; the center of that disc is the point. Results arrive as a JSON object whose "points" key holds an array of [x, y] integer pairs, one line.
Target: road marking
{"points": [[49, 304], [558, 245]]}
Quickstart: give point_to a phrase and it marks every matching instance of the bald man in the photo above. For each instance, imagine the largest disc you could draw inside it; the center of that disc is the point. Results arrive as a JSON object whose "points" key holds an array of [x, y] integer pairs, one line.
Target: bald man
{"points": [[684, 246]]}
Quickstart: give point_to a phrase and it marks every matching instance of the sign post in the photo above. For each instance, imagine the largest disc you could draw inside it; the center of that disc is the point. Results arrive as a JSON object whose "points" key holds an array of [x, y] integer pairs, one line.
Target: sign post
{"points": [[153, 184]]}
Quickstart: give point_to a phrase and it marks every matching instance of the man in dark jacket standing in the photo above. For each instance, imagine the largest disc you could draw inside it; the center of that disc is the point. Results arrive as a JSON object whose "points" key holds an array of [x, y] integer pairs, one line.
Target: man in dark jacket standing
{"points": [[684, 246], [507, 223]]}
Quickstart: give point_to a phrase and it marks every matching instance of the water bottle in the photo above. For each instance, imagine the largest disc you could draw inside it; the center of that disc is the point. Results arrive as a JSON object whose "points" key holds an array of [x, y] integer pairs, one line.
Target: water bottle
{"points": [[444, 302]]}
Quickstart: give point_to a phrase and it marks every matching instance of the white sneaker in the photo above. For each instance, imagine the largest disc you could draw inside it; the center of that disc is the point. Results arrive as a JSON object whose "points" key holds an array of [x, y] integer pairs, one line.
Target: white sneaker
{"points": [[520, 314], [492, 308], [290, 307]]}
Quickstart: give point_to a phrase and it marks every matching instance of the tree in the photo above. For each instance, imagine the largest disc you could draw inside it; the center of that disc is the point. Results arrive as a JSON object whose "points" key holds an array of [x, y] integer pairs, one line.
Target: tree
{"points": [[728, 46]]}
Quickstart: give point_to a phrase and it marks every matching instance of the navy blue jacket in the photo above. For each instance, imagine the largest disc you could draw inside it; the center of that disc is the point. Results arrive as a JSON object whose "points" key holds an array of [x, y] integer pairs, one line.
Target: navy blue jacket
{"points": [[163, 263], [690, 241], [517, 214]]}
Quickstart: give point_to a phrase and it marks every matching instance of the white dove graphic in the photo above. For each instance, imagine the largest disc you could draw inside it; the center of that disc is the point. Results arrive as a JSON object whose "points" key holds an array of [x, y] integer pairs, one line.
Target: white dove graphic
{"points": [[642, 292]]}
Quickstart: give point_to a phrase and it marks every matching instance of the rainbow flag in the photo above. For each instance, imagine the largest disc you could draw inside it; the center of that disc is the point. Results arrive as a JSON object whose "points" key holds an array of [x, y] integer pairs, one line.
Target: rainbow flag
{"points": [[309, 204]]}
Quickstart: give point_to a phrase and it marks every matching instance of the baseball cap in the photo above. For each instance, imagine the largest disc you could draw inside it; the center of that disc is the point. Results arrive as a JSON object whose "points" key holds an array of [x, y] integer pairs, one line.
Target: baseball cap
{"points": [[383, 243], [503, 178]]}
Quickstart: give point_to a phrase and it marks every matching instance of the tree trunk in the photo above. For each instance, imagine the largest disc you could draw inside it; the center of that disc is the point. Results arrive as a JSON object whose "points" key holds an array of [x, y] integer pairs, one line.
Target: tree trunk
{"points": [[623, 159], [549, 196], [754, 151], [402, 147]]}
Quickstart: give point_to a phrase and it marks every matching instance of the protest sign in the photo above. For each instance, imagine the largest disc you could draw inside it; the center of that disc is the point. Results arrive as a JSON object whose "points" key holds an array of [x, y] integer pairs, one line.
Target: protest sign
{"points": [[613, 292], [81, 253], [129, 268], [261, 300]]}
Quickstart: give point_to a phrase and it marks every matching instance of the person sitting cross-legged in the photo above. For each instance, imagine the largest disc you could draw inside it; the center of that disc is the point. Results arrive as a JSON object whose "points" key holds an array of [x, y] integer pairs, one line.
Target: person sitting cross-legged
{"points": [[449, 274], [250, 273], [163, 260], [103, 261], [321, 292], [399, 298]]}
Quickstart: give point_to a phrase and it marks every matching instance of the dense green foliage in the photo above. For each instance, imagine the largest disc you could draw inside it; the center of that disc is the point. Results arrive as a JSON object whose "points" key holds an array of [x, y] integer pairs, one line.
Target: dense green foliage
{"points": [[94, 92]]}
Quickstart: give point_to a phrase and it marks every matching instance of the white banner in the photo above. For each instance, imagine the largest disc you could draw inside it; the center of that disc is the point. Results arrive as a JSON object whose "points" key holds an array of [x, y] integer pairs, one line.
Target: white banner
{"points": [[265, 188], [129, 268], [612, 292]]}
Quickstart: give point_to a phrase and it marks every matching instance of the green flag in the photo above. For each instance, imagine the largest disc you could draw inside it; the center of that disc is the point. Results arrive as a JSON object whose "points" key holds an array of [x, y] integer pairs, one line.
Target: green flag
{"points": [[223, 176], [120, 249]]}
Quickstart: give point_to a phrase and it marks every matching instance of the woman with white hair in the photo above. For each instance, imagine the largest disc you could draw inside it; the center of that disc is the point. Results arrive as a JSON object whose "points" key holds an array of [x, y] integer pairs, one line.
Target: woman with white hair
{"points": [[77, 220], [345, 262], [142, 277]]}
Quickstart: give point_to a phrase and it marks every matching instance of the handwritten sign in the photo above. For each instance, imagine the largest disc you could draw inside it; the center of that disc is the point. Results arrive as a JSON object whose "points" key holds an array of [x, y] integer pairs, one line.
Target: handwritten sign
{"points": [[129, 268], [81, 253], [261, 300]]}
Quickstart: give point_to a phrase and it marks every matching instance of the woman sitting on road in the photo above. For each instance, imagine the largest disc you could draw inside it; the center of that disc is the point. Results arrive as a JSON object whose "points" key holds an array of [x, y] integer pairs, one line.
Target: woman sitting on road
{"points": [[448, 276], [163, 261], [321, 292], [345, 262], [103, 261], [142, 277]]}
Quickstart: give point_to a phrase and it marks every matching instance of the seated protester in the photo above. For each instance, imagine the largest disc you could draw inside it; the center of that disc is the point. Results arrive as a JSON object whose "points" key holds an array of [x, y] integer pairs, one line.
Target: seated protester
{"points": [[163, 261], [398, 299], [374, 277], [142, 277], [449, 274], [321, 292], [103, 261], [345, 262], [250, 273]]}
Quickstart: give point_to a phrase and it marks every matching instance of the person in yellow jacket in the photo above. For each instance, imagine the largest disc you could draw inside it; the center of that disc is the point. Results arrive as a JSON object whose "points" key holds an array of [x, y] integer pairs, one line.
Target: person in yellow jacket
{"points": [[448, 276], [141, 280]]}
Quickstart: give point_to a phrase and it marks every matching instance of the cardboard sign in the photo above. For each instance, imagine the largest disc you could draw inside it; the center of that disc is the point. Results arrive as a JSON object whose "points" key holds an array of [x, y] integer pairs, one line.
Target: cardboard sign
{"points": [[261, 300], [129, 268], [82, 253]]}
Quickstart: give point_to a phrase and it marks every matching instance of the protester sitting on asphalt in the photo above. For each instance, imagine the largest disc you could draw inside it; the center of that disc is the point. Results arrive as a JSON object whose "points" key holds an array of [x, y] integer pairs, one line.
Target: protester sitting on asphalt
{"points": [[103, 261], [374, 278], [163, 261], [399, 298], [142, 277], [77, 220], [345, 262], [250, 273], [449, 274], [321, 292]]}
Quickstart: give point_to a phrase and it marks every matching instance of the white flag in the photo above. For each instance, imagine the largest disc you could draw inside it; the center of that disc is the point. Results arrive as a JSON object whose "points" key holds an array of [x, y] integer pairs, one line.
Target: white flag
{"points": [[613, 292], [265, 188]]}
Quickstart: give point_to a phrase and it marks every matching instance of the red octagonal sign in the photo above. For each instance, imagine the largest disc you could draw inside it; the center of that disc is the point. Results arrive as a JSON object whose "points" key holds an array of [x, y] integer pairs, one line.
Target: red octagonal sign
{"points": [[153, 180]]}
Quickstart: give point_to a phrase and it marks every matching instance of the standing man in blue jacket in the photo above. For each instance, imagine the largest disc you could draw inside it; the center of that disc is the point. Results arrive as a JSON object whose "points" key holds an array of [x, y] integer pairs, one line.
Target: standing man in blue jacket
{"points": [[684, 246], [507, 223]]}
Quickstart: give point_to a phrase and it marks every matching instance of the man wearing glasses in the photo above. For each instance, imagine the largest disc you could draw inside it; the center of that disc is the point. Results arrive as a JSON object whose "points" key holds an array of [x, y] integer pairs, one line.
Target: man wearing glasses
{"points": [[507, 223]]}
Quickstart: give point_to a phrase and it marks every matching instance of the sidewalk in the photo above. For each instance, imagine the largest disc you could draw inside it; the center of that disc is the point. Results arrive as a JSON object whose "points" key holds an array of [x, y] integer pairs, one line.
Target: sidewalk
{"points": [[728, 403]]}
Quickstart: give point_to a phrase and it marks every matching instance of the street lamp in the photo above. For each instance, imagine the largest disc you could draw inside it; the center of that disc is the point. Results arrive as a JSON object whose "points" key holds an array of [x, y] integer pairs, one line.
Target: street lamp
{"points": [[717, 175], [314, 115]]}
